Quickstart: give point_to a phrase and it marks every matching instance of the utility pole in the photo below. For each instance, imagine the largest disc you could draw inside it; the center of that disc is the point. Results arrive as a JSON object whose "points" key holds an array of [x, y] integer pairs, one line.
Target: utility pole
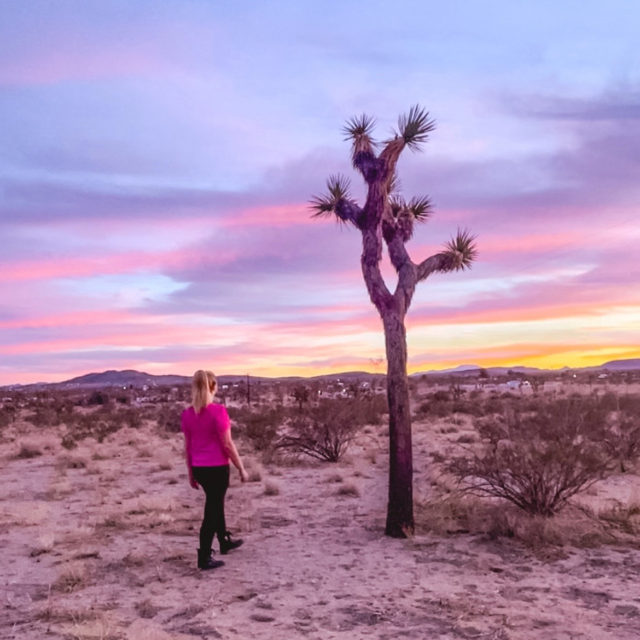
{"points": [[248, 391]]}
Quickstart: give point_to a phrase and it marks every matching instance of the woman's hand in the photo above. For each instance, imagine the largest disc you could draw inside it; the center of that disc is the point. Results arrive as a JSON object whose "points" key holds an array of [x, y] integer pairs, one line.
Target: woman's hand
{"points": [[244, 476]]}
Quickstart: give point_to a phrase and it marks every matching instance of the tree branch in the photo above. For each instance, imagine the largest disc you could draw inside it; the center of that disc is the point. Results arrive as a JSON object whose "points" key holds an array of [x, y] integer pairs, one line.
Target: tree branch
{"points": [[406, 270], [458, 255], [370, 261], [432, 264], [389, 159]]}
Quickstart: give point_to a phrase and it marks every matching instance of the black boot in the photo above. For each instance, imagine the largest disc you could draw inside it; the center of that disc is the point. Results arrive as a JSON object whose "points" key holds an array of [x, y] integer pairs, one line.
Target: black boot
{"points": [[227, 544], [205, 561]]}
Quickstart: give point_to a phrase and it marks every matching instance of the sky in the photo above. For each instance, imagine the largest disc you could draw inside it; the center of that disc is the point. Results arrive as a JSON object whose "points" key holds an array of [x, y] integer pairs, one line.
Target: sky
{"points": [[158, 159]]}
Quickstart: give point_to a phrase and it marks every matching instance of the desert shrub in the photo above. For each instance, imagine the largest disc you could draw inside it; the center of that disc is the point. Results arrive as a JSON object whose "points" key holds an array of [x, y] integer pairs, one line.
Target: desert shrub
{"points": [[372, 408], [44, 417], [98, 398], [624, 517], [131, 417], [623, 442], [97, 424], [7, 415], [325, 431], [348, 490], [441, 404], [435, 407], [71, 578], [168, 418], [68, 441], [539, 459], [28, 451], [260, 427]]}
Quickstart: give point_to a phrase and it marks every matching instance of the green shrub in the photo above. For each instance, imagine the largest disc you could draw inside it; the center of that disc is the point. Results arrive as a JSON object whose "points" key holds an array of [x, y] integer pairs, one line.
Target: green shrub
{"points": [[259, 427]]}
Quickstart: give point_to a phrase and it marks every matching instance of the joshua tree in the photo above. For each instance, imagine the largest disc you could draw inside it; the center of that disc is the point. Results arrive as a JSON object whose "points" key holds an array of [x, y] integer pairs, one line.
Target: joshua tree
{"points": [[386, 217]]}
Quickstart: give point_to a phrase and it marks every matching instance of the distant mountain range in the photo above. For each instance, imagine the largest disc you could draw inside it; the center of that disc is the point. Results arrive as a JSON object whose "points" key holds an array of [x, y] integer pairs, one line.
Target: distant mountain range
{"points": [[140, 378], [632, 364]]}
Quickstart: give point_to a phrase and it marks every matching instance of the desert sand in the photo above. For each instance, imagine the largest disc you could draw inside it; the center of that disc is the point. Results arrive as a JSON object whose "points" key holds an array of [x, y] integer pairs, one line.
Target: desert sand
{"points": [[100, 542]]}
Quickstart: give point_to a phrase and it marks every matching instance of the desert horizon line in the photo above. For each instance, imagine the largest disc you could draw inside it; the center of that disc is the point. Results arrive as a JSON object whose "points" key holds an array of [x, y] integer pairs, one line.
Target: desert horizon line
{"points": [[365, 370]]}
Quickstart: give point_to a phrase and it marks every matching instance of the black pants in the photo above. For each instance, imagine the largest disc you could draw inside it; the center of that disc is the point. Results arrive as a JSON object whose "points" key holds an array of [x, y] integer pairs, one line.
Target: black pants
{"points": [[215, 482]]}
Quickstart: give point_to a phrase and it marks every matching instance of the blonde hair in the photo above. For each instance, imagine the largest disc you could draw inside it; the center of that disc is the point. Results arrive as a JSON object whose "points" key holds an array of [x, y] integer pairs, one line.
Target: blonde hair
{"points": [[211, 379], [201, 390]]}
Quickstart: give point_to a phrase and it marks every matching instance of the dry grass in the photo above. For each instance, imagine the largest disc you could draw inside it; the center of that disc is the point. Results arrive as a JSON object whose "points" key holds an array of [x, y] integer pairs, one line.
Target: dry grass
{"points": [[44, 544], [463, 514], [27, 451], [73, 576], [114, 522], [271, 488], [625, 518], [145, 609], [348, 490], [68, 461]]}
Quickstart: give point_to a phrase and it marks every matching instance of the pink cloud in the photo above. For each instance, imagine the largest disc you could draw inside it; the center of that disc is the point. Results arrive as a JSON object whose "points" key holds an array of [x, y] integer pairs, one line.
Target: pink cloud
{"points": [[283, 215], [110, 264]]}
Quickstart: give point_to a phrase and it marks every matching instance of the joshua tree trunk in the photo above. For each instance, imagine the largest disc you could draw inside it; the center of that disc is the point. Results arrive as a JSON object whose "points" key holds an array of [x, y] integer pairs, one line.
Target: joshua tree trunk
{"points": [[400, 506], [387, 217]]}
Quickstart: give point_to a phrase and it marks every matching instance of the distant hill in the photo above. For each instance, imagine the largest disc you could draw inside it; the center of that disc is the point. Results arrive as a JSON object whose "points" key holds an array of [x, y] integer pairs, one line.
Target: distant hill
{"points": [[349, 376], [622, 365], [473, 369], [140, 378], [632, 364], [123, 378]]}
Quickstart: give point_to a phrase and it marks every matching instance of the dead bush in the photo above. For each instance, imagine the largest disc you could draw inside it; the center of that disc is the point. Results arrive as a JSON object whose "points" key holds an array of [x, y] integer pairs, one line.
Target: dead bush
{"points": [[323, 432], [539, 459]]}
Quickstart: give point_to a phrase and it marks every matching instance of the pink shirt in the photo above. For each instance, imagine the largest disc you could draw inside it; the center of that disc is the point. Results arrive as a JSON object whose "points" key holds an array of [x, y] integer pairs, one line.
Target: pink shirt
{"points": [[203, 435]]}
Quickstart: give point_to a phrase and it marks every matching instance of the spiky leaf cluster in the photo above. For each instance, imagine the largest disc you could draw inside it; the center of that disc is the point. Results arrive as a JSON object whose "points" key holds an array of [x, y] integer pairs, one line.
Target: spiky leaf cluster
{"points": [[460, 251], [415, 127], [338, 189], [358, 127]]}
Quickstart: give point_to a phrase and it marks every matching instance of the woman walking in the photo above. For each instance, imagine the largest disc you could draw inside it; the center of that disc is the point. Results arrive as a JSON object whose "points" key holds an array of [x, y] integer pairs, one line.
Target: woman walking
{"points": [[208, 449]]}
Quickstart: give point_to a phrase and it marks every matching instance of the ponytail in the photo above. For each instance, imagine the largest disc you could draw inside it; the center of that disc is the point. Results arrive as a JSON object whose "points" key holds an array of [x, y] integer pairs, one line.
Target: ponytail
{"points": [[200, 390]]}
